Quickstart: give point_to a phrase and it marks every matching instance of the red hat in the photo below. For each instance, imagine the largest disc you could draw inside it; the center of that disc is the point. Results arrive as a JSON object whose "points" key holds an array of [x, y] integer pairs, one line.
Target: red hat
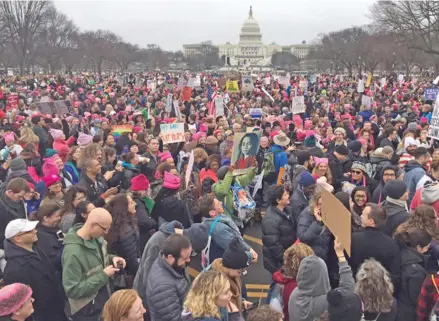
{"points": [[51, 179], [171, 181], [139, 183]]}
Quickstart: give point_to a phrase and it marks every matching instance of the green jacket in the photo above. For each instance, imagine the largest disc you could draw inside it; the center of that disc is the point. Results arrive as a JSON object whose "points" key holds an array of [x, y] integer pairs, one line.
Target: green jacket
{"points": [[83, 273], [223, 191]]}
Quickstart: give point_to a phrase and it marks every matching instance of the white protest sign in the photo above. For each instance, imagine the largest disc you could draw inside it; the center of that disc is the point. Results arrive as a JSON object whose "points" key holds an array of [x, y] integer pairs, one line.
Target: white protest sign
{"points": [[169, 103], [284, 81], [265, 92], [298, 105], [383, 81], [268, 80], [197, 82], [303, 84], [360, 86], [177, 109], [191, 82], [433, 129], [258, 184], [181, 83], [247, 83], [401, 78], [151, 84], [434, 81], [172, 133], [366, 101], [190, 166], [219, 106], [226, 99]]}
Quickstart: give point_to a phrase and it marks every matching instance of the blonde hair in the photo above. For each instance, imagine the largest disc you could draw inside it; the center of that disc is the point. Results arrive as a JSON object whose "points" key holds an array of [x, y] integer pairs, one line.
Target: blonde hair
{"points": [[292, 258], [328, 174], [27, 136], [119, 305], [314, 201], [374, 287], [200, 153], [201, 299]]}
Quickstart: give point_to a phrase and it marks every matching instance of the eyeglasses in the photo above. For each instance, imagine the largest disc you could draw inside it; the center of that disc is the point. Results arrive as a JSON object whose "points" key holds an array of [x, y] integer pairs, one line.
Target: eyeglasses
{"points": [[389, 175], [357, 172], [105, 229]]}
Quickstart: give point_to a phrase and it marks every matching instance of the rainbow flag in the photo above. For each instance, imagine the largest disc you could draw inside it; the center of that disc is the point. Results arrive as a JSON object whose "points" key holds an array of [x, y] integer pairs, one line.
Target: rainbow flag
{"points": [[119, 129]]}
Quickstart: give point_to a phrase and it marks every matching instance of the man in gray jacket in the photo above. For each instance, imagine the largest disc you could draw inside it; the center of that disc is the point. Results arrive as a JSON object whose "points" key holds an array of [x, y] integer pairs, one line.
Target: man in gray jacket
{"points": [[168, 282]]}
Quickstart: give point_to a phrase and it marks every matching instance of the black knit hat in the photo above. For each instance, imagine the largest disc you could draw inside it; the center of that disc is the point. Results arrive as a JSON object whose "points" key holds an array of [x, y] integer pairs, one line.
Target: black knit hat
{"points": [[342, 150], [344, 305], [234, 256], [355, 146], [395, 188]]}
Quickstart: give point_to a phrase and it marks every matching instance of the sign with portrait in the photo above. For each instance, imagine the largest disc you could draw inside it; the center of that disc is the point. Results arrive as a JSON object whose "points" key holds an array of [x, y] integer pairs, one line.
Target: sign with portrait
{"points": [[245, 149]]}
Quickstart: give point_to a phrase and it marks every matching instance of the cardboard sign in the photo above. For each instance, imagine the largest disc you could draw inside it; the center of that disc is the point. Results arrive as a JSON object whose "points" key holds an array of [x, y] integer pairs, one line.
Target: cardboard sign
{"points": [[186, 94], [190, 166], [219, 106], [168, 107], [298, 105], [247, 83], [191, 82], [151, 84], [59, 107], [431, 93], [337, 219], [303, 84], [172, 133], [232, 86]]}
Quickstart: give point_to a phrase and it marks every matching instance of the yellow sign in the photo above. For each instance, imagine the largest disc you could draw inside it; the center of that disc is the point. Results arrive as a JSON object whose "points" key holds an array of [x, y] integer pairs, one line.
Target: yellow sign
{"points": [[232, 86], [369, 80]]}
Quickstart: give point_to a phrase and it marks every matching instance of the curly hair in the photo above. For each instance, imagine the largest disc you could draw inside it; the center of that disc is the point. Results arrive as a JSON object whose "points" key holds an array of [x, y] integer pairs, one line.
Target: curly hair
{"points": [[424, 218], [201, 299], [89, 152], [27, 136], [292, 258], [374, 287]]}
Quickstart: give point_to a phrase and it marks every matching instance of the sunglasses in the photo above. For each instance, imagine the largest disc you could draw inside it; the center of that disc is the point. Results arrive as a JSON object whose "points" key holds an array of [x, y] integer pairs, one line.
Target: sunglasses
{"points": [[357, 172]]}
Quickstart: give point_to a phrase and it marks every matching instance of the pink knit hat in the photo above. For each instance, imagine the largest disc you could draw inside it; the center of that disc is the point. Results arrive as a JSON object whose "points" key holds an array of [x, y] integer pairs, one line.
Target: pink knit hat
{"points": [[171, 181], [50, 167], [308, 124], [56, 133], [84, 139], [165, 156], [9, 137], [12, 298]]}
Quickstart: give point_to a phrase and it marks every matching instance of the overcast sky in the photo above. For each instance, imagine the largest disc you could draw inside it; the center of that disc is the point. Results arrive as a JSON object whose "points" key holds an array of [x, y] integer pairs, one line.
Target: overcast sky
{"points": [[172, 23]]}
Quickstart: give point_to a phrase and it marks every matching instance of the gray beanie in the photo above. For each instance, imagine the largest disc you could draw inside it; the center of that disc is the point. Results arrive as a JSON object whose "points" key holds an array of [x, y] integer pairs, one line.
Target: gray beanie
{"points": [[17, 164], [221, 172], [198, 234]]}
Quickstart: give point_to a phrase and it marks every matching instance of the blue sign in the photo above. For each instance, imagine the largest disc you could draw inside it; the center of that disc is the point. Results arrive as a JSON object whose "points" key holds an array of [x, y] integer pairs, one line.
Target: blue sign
{"points": [[430, 93]]}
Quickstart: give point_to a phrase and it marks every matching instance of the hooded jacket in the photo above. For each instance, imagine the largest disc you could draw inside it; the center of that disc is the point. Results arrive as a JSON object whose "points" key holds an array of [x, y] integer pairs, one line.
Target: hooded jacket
{"points": [[289, 284], [9, 210], [379, 161], [396, 215], [413, 173], [308, 300], [171, 208], [278, 234], [379, 195], [34, 269]]}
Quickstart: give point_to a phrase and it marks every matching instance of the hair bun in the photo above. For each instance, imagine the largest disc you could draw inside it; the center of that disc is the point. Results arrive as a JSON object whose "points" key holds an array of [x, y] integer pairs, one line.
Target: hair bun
{"points": [[334, 297]]}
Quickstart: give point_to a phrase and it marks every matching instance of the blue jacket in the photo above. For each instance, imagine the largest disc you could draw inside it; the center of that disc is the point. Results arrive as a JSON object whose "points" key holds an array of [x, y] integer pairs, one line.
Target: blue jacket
{"points": [[280, 157], [366, 114], [413, 173]]}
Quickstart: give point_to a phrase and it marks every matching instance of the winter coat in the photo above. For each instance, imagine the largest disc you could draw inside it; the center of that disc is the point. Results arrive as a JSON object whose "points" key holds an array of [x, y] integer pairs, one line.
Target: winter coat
{"points": [[280, 157], [94, 193], [50, 241], [63, 147], [298, 202], [72, 168], [313, 233], [43, 139], [86, 285], [165, 291], [396, 215], [150, 254], [126, 245], [379, 195], [413, 275], [147, 225], [337, 171], [387, 316], [34, 269], [150, 168], [289, 284], [297, 171], [428, 195], [171, 208], [413, 173], [129, 171], [378, 163], [117, 179], [278, 234], [10, 210], [373, 243]]}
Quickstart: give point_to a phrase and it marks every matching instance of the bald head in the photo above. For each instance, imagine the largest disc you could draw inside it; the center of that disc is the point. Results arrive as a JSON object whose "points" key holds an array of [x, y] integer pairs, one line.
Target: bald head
{"points": [[99, 216]]}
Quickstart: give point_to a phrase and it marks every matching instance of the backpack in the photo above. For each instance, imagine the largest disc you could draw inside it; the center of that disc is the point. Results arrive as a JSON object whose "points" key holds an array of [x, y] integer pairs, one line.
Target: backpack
{"points": [[268, 166], [205, 253]]}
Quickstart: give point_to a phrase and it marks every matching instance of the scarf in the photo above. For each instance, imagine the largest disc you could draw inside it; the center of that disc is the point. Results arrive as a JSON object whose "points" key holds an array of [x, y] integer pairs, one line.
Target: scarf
{"points": [[235, 283], [129, 166], [397, 202]]}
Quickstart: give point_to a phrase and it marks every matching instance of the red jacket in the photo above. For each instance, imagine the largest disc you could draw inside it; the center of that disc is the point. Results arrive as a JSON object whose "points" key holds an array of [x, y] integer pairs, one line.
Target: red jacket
{"points": [[289, 285], [63, 147]]}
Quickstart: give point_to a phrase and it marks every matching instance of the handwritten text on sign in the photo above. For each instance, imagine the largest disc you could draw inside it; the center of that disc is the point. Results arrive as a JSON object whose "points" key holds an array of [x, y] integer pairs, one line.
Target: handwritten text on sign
{"points": [[172, 133]]}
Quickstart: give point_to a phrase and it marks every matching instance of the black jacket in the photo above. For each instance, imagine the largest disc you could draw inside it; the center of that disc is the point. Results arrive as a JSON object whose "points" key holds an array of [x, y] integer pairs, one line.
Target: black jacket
{"points": [[128, 174], [337, 171], [298, 202], [373, 243], [278, 234], [9, 211], [147, 225], [396, 215], [94, 193], [150, 168], [35, 270], [171, 208], [413, 275], [50, 241], [127, 245], [314, 233], [117, 177]]}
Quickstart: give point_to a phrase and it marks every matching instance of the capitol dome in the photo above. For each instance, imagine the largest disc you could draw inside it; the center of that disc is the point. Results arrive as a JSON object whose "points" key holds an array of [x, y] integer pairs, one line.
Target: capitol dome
{"points": [[250, 31]]}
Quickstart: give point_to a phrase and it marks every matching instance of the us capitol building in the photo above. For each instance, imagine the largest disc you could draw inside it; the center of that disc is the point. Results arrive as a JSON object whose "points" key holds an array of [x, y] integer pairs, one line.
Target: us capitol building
{"points": [[250, 51]]}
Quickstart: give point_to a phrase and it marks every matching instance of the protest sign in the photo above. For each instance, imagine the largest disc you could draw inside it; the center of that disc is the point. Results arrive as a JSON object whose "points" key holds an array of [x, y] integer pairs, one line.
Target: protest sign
{"points": [[219, 106], [366, 101], [369, 80], [197, 82], [401, 78], [284, 81], [265, 92], [62, 107], [191, 82], [232, 86], [186, 93], [337, 219], [190, 166], [255, 113], [436, 81], [12, 101], [298, 105], [168, 107], [172, 133], [177, 111], [303, 84], [151, 84], [226, 98], [181, 83], [430, 93], [247, 83], [360, 86], [258, 184], [433, 129], [245, 150], [280, 176], [267, 80]]}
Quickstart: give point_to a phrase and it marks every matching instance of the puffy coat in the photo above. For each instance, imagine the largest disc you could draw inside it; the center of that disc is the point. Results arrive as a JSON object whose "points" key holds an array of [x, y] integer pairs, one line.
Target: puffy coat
{"points": [[63, 147], [413, 275], [313, 233], [298, 202], [50, 241], [165, 291], [278, 234], [171, 208]]}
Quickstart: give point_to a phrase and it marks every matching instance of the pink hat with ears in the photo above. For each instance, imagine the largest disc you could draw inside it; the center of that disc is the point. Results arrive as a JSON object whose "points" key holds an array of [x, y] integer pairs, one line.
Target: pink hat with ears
{"points": [[87, 114], [203, 128], [308, 124], [309, 133], [128, 109]]}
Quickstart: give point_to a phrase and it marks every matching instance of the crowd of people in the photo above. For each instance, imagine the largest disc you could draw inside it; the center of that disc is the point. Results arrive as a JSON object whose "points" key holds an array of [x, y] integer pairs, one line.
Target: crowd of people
{"points": [[99, 223]]}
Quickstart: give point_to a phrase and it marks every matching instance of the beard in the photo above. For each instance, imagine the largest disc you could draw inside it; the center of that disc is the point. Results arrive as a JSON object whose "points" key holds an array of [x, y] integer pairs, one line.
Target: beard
{"points": [[179, 268]]}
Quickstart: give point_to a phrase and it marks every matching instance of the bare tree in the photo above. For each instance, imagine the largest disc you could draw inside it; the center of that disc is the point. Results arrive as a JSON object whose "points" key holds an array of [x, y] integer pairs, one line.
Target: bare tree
{"points": [[285, 60], [24, 21]]}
